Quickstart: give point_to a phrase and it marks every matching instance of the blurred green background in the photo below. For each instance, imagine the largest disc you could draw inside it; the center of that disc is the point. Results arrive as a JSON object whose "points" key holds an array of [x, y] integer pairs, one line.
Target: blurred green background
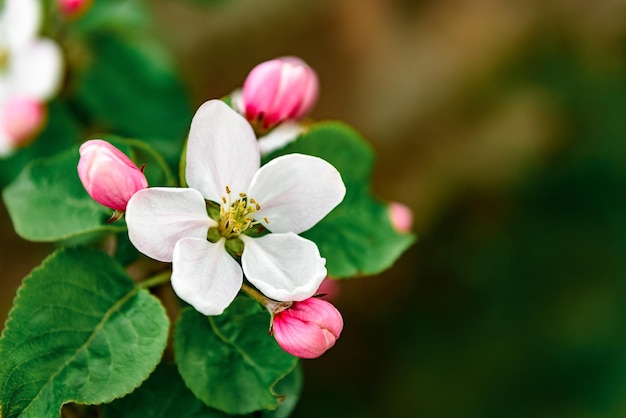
{"points": [[502, 124]]}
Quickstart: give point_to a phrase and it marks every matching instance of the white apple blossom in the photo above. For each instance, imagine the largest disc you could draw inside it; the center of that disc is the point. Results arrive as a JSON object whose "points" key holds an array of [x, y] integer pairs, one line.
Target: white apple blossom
{"points": [[30, 66], [287, 196]]}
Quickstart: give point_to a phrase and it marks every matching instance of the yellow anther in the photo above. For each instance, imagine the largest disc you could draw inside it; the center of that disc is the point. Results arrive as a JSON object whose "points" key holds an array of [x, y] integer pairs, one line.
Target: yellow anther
{"points": [[255, 203], [235, 215]]}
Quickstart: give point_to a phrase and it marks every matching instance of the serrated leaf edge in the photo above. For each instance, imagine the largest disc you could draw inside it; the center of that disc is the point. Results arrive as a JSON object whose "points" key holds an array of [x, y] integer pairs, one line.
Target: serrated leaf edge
{"points": [[134, 291]]}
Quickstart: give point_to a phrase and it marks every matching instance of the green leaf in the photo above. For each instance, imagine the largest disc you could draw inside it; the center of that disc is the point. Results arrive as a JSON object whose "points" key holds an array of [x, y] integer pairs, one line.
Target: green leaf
{"points": [[164, 395], [357, 236], [211, 3], [130, 88], [80, 331], [114, 16], [290, 387], [341, 146], [125, 251], [47, 202], [229, 361]]}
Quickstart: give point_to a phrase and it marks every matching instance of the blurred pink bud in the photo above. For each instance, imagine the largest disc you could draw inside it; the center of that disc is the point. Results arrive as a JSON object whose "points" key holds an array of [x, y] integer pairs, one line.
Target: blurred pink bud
{"points": [[401, 216], [108, 175], [22, 118], [329, 289], [278, 90], [73, 8], [308, 328]]}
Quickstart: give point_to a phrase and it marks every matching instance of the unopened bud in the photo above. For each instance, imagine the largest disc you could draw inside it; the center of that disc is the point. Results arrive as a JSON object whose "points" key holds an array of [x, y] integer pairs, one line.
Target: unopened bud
{"points": [[308, 328], [73, 8], [21, 119], [278, 90], [108, 175], [401, 216]]}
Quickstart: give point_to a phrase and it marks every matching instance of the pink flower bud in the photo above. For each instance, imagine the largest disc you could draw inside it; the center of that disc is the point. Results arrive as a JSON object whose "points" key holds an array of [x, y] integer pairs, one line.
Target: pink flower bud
{"points": [[108, 175], [22, 118], [308, 328], [73, 8], [401, 216], [278, 90]]}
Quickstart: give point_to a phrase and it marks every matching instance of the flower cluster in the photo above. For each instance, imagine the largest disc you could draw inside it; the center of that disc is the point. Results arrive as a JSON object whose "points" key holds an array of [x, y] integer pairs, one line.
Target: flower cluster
{"points": [[30, 73], [242, 211], [237, 220]]}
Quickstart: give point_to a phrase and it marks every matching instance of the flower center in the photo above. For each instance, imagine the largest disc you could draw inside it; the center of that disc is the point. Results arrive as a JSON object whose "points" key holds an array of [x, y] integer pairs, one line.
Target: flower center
{"points": [[236, 215]]}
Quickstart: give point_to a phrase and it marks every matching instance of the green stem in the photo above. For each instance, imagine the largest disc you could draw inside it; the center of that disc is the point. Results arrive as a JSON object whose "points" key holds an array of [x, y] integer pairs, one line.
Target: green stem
{"points": [[254, 294], [271, 305], [156, 280], [169, 176]]}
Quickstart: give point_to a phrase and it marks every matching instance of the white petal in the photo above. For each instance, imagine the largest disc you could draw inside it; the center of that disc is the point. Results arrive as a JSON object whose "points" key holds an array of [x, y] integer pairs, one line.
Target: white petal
{"points": [[296, 191], [280, 136], [159, 217], [204, 275], [20, 20], [222, 151], [35, 70], [283, 267]]}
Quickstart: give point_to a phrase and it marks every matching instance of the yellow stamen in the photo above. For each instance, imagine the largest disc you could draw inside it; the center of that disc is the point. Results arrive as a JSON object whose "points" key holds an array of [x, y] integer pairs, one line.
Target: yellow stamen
{"points": [[235, 215]]}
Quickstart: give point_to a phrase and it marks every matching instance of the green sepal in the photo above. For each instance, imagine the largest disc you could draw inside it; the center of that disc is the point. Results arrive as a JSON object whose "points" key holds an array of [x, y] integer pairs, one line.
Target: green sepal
{"points": [[213, 209], [80, 331], [234, 246]]}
